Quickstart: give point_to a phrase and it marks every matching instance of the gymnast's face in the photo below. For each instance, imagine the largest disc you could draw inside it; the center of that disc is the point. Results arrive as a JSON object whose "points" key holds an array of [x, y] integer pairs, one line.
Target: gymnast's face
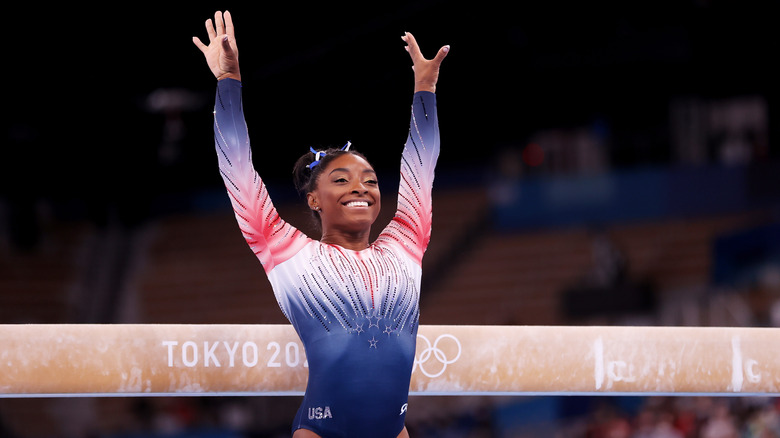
{"points": [[347, 195]]}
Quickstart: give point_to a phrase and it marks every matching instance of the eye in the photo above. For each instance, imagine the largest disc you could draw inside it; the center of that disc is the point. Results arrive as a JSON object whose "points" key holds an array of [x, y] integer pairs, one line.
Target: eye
{"points": [[340, 180], [373, 182]]}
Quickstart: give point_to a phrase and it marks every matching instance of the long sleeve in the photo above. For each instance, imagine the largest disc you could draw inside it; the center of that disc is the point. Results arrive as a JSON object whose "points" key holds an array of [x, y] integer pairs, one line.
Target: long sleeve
{"points": [[271, 238], [411, 225]]}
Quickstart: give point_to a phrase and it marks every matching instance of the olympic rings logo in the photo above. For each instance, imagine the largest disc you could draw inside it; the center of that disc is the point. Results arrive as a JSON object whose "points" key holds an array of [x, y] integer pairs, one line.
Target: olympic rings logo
{"points": [[434, 350]]}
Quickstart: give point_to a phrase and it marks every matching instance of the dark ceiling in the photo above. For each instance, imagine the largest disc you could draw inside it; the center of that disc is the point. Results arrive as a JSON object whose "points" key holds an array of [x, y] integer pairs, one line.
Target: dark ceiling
{"points": [[319, 74]]}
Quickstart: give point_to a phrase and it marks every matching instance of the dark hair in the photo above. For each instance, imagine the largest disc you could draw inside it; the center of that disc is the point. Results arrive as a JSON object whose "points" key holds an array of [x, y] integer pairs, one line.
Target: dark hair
{"points": [[305, 177]]}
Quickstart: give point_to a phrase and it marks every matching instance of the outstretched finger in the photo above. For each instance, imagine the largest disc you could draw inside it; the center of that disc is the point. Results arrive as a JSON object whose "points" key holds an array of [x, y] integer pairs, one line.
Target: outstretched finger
{"points": [[220, 24], [199, 44], [411, 46], [230, 30], [210, 30], [226, 47], [441, 54]]}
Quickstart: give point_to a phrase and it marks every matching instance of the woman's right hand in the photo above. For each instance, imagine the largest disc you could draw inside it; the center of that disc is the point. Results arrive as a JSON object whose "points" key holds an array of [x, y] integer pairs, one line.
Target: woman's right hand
{"points": [[221, 53]]}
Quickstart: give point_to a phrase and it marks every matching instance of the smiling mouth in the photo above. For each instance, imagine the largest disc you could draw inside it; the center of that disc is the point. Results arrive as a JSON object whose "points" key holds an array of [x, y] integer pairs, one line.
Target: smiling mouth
{"points": [[356, 204]]}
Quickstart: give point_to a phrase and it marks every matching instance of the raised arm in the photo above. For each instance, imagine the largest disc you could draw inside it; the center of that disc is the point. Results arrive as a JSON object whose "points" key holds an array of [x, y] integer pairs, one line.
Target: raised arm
{"points": [[411, 225], [271, 239]]}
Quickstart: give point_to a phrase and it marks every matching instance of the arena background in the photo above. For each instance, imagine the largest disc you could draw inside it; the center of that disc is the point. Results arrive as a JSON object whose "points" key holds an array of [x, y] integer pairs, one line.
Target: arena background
{"points": [[601, 163]]}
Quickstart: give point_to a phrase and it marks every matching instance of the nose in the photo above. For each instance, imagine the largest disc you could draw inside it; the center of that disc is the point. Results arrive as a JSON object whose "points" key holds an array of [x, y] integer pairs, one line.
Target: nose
{"points": [[359, 188]]}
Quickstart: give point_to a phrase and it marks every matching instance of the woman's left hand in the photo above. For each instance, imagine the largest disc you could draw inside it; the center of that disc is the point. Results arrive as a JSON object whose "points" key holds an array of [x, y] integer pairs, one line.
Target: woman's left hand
{"points": [[426, 71]]}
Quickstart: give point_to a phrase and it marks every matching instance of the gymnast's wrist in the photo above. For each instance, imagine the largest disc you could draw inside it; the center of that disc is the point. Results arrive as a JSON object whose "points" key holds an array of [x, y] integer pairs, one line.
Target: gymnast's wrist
{"points": [[229, 75], [425, 86]]}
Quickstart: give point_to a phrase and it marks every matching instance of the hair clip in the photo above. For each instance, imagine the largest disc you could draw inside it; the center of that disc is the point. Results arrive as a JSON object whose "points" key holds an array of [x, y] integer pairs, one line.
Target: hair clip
{"points": [[320, 154], [317, 155]]}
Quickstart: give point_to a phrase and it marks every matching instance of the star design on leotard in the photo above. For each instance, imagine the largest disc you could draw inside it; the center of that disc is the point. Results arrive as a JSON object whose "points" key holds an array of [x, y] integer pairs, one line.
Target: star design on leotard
{"points": [[388, 330], [372, 324], [359, 329], [372, 343]]}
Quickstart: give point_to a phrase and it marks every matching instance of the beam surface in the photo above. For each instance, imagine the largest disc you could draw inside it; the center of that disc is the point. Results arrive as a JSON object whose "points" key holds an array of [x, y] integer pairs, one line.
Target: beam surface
{"points": [[153, 360]]}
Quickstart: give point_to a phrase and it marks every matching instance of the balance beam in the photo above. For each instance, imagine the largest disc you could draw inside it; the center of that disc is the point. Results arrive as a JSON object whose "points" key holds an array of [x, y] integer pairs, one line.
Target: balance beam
{"points": [[73, 360]]}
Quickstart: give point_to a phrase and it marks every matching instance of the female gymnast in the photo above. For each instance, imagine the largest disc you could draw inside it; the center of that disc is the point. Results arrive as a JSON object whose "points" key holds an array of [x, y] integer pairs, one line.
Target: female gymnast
{"points": [[354, 304]]}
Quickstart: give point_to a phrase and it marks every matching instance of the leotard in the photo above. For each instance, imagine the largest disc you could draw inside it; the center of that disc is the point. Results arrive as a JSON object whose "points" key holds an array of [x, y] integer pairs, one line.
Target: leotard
{"points": [[356, 312]]}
